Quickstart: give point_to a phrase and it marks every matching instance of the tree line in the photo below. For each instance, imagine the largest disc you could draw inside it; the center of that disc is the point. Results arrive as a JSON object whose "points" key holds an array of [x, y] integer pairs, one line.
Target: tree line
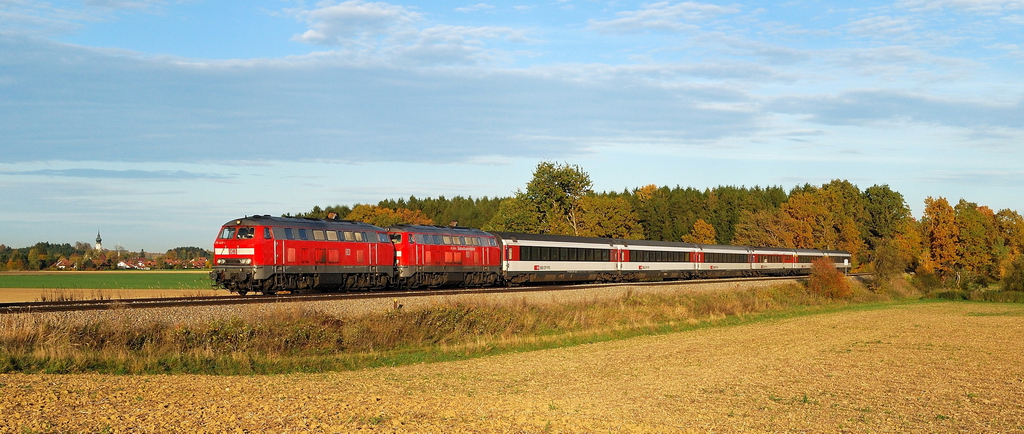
{"points": [[964, 245], [82, 256]]}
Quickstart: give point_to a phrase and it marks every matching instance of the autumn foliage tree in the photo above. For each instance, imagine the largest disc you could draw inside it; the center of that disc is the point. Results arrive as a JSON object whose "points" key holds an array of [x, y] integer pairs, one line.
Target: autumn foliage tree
{"points": [[702, 233], [827, 281], [941, 235], [385, 217]]}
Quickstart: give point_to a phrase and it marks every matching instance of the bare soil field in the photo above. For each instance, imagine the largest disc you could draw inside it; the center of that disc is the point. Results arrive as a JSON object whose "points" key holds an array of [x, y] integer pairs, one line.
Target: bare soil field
{"points": [[920, 367]]}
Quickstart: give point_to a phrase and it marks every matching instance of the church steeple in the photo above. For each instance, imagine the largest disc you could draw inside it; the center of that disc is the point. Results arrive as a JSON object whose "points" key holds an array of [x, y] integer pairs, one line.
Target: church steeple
{"points": [[99, 241]]}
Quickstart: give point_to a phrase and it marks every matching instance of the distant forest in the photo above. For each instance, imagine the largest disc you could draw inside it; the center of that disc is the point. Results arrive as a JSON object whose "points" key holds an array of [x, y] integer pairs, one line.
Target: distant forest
{"points": [[963, 244], [82, 256]]}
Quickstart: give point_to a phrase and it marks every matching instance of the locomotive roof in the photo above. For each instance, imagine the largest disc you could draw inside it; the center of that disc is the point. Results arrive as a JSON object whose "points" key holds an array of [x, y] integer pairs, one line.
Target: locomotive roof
{"points": [[268, 220], [459, 230]]}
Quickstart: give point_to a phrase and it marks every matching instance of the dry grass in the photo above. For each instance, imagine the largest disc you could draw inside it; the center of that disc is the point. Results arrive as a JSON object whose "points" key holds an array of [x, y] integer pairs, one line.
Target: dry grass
{"points": [[290, 339]]}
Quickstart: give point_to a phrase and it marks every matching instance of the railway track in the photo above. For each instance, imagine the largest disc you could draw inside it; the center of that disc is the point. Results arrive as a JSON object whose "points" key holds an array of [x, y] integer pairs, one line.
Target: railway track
{"points": [[148, 303]]}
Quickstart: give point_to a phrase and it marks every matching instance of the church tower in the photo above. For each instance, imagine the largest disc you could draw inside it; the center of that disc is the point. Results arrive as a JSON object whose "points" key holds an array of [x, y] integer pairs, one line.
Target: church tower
{"points": [[99, 241]]}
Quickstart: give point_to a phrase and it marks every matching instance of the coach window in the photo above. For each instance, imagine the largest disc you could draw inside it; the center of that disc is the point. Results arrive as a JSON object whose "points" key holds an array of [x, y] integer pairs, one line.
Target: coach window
{"points": [[446, 239], [303, 235], [319, 235], [457, 241], [227, 233], [288, 234], [349, 236], [360, 236], [332, 235]]}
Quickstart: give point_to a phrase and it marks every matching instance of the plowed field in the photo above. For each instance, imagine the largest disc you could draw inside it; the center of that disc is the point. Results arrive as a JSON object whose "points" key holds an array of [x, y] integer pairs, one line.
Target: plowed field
{"points": [[924, 367]]}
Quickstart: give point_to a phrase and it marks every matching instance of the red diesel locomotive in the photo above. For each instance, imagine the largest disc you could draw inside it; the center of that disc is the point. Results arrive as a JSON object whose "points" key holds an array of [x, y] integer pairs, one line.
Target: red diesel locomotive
{"points": [[442, 256], [269, 254]]}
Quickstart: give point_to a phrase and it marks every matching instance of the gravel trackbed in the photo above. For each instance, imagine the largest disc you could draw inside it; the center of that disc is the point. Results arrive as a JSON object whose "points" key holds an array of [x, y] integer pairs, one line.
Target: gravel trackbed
{"points": [[920, 367]]}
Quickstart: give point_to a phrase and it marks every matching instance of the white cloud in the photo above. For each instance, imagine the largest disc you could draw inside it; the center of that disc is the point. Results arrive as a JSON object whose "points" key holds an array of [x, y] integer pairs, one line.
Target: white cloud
{"points": [[982, 6], [32, 17], [376, 33], [662, 16], [475, 8], [1013, 19], [348, 22], [124, 4], [881, 25]]}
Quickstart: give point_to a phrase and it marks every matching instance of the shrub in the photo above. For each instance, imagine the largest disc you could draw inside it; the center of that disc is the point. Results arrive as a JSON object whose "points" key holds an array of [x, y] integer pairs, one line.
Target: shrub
{"points": [[927, 281], [1014, 280], [827, 281]]}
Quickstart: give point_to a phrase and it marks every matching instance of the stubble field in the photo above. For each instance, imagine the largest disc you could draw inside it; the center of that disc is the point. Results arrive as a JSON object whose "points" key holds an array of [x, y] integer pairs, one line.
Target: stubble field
{"points": [[918, 367]]}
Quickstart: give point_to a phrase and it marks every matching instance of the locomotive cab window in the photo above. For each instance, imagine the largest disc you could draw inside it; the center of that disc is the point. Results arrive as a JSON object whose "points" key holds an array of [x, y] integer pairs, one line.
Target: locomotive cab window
{"points": [[382, 237], [227, 233], [246, 232], [266, 234], [396, 238]]}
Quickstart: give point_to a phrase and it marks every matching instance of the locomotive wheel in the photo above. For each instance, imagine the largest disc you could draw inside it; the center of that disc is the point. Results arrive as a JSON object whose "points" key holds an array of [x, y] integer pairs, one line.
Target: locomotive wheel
{"points": [[242, 292]]}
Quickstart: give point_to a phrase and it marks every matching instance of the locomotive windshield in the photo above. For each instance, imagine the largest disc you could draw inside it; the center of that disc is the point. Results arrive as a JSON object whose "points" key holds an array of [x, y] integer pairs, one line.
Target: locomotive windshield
{"points": [[227, 233]]}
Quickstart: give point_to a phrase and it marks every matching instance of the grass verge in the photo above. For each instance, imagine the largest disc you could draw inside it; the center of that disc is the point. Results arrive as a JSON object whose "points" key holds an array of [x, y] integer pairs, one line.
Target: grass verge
{"points": [[295, 340]]}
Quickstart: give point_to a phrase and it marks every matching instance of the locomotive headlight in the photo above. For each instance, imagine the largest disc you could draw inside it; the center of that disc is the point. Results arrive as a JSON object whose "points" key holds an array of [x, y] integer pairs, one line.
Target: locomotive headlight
{"points": [[221, 262], [245, 261]]}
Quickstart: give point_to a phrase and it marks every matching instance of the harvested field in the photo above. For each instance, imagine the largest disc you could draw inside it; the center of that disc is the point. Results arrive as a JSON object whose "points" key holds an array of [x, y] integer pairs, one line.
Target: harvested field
{"points": [[919, 367]]}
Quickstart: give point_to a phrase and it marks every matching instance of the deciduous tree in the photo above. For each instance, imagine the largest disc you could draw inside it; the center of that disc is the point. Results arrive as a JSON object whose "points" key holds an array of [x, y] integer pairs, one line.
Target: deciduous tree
{"points": [[602, 216], [940, 235], [702, 233], [385, 217]]}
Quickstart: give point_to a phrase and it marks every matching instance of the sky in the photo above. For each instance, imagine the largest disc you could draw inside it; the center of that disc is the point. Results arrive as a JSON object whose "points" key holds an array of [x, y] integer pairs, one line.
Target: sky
{"points": [[156, 121]]}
